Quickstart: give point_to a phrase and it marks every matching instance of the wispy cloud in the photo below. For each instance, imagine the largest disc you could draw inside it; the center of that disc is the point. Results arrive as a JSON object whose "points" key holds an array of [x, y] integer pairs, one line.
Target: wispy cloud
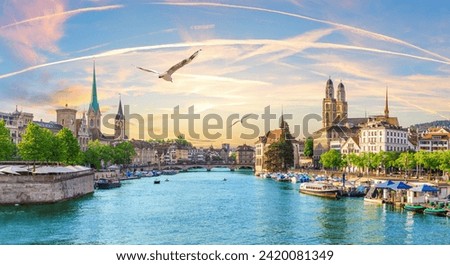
{"points": [[39, 27], [353, 29], [282, 44]]}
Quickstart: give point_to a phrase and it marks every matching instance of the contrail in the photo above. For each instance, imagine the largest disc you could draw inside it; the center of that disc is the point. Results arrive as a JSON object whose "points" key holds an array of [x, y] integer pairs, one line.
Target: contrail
{"points": [[66, 13], [421, 107], [222, 42], [360, 31]]}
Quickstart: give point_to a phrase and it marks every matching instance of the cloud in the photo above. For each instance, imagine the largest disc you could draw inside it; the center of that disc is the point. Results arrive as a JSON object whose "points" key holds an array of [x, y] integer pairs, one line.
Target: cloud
{"points": [[37, 27], [360, 31], [203, 27]]}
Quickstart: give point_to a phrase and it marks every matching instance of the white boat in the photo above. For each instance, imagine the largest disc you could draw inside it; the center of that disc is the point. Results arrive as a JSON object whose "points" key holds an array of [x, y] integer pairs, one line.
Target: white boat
{"points": [[322, 189]]}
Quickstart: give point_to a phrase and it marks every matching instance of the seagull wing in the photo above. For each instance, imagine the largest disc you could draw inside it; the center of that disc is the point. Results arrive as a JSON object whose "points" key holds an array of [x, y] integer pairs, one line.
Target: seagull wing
{"points": [[182, 63], [147, 70]]}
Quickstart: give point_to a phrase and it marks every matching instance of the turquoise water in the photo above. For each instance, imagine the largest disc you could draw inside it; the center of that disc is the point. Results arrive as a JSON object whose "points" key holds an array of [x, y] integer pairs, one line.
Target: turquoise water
{"points": [[202, 208]]}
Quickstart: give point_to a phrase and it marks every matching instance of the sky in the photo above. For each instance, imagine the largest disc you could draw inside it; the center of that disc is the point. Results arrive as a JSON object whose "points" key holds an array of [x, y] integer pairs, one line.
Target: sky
{"points": [[254, 55]]}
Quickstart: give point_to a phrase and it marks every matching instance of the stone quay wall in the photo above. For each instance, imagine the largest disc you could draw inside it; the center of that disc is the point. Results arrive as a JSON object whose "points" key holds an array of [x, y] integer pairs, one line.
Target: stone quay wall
{"points": [[37, 189]]}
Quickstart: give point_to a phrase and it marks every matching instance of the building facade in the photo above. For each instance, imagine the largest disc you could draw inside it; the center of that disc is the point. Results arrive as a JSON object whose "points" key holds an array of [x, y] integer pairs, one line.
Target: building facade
{"points": [[435, 139], [245, 155], [382, 136], [16, 122]]}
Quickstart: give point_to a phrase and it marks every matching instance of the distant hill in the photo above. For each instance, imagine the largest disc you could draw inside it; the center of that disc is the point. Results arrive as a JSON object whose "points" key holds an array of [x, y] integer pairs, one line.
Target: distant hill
{"points": [[426, 125]]}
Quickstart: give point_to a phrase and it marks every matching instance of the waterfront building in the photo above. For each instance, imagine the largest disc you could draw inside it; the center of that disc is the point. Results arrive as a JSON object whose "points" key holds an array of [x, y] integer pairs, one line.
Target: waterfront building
{"points": [[245, 155], [351, 146], [434, 139], [379, 136], [16, 122], [272, 136], [146, 153]]}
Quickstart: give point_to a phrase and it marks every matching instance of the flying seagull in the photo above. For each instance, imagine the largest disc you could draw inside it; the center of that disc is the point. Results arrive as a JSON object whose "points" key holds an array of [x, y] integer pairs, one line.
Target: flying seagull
{"points": [[167, 75], [241, 120]]}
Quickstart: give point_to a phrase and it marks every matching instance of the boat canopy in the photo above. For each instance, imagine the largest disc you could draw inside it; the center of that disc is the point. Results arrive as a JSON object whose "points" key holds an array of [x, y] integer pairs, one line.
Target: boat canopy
{"points": [[399, 185], [424, 188], [384, 185]]}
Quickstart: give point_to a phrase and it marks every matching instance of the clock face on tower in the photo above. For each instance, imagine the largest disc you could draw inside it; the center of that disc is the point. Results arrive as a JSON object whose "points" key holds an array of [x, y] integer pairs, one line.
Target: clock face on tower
{"points": [[119, 124]]}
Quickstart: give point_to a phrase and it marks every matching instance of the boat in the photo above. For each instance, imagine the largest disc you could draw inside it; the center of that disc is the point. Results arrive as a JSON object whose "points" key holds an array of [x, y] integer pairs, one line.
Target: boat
{"points": [[414, 208], [107, 184], [169, 172], [435, 211], [320, 189], [156, 181]]}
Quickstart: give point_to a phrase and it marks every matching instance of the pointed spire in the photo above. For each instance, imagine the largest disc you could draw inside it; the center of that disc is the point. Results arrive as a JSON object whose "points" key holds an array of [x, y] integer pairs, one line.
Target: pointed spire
{"points": [[94, 102], [120, 111], [386, 107], [282, 119]]}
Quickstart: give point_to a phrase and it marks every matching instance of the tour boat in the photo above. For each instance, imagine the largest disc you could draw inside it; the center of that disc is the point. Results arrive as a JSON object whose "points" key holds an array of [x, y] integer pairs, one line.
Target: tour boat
{"points": [[320, 189]]}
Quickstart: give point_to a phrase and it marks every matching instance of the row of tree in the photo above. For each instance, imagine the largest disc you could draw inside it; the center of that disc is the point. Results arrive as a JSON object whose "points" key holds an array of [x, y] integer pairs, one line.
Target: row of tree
{"points": [[41, 145], [431, 162]]}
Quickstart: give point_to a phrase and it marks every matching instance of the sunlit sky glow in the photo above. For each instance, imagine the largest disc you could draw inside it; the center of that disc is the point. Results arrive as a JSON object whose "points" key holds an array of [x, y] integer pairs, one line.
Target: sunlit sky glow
{"points": [[254, 54]]}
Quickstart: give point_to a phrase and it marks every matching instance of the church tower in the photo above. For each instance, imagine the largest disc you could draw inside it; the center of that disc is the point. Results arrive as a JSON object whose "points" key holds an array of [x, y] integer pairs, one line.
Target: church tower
{"points": [[328, 105], [94, 116], [386, 107], [341, 104], [119, 123]]}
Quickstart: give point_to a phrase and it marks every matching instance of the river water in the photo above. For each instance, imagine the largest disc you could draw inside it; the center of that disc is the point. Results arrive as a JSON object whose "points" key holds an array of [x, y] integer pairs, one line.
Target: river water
{"points": [[203, 208]]}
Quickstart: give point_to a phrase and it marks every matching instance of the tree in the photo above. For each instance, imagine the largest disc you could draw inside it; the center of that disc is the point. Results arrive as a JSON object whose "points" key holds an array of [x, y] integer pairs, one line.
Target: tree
{"points": [[331, 159], [93, 154], [309, 145], [280, 154], [406, 161], [35, 143], [7, 147], [69, 147], [123, 153]]}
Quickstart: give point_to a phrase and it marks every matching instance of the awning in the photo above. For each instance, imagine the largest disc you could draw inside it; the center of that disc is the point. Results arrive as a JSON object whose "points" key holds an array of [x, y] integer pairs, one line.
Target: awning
{"points": [[424, 188], [384, 185], [399, 185]]}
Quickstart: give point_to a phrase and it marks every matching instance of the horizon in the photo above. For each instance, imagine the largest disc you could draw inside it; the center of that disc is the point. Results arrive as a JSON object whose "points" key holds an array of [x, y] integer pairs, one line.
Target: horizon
{"points": [[277, 54]]}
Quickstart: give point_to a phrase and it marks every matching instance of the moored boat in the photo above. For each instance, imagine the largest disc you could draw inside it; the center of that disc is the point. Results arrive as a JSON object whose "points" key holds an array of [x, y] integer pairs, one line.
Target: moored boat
{"points": [[320, 189], [107, 184], [436, 211], [414, 208]]}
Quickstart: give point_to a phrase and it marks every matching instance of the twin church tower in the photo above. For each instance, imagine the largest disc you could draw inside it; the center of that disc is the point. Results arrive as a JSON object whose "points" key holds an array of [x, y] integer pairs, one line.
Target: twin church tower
{"points": [[334, 110]]}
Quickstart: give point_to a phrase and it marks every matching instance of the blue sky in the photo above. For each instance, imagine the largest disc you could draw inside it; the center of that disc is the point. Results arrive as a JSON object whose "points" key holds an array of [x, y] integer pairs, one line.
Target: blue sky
{"points": [[254, 54]]}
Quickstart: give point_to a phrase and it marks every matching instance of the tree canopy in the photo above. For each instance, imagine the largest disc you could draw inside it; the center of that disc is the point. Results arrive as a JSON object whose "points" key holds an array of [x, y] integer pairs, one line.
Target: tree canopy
{"points": [[7, 147]]}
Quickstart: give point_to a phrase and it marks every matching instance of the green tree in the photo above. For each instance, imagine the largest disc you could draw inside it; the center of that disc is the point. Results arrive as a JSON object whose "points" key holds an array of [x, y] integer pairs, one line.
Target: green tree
{"points": [[35, 144], [406, 161], [309, 145], [97, 153], [123, 153], [69, 147], [444, 162], [280, 154], [274, 160], [7, 147], [331, 159], [93, 154]]}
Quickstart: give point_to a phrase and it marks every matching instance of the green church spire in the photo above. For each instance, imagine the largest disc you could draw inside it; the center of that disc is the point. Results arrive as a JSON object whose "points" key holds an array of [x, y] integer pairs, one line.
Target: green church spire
{"points": [[94, 103]]}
